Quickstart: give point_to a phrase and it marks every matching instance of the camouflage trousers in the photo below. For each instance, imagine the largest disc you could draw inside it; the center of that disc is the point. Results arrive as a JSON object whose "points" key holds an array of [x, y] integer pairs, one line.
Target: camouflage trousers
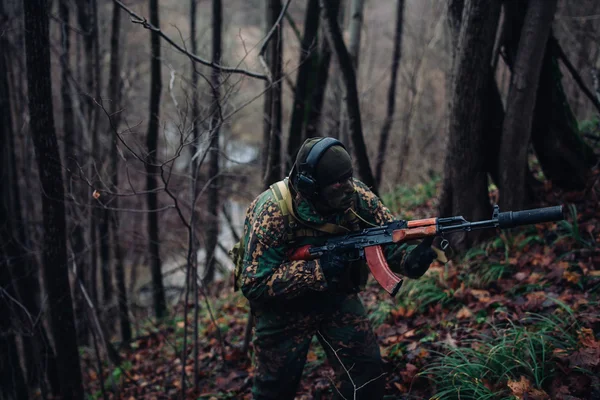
{"points": [[282, 342]]}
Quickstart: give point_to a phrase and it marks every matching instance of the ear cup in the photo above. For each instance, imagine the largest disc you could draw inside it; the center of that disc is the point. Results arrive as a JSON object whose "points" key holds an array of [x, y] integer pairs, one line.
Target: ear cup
{"points": [[306, 185]]}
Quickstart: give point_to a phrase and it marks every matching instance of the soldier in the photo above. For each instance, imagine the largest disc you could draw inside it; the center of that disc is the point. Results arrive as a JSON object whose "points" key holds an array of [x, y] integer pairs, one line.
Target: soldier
{"points": [[292, 301]]}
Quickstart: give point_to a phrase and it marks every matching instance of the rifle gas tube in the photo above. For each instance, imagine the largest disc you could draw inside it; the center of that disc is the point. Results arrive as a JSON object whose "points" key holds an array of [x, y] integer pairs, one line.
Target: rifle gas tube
{"points": [[368, 242]]}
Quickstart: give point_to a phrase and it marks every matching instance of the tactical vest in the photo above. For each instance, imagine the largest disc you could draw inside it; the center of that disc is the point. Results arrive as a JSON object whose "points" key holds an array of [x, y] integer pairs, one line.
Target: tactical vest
{"points": [[294, 227]]}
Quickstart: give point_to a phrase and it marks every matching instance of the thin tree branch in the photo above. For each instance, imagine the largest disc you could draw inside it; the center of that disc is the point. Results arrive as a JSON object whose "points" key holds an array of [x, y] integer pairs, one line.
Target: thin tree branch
{"points": [[136, 19], [263, 48]]}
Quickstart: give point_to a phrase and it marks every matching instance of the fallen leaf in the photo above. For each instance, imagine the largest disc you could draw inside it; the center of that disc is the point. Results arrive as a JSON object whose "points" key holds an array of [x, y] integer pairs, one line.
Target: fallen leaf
{"points": [[585, 358], [481, 295], [572, 277], [522, 389], [520, 276], [409, 373], [464, 313], [450, 341]]}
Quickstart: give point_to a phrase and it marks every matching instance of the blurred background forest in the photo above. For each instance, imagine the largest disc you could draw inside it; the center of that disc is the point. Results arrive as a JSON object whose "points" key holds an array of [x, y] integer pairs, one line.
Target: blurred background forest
{"points": [[135, 134]]}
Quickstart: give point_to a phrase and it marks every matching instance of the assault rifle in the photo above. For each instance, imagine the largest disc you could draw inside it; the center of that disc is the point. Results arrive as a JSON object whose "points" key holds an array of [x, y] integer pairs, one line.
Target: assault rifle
{"points": [[367, 243]]}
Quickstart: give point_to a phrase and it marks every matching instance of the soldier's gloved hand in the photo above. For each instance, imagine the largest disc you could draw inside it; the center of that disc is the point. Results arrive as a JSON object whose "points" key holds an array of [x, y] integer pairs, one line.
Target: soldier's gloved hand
{"points": [[417, 262], [332, 264]]}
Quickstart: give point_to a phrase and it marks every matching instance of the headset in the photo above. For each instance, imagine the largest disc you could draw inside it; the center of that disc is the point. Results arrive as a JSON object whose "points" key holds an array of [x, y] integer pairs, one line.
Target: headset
{"points": [[306, 183]]}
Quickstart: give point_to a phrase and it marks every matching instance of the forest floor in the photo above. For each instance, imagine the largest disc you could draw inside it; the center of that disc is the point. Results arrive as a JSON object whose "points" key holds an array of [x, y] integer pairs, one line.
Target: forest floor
{"points": [[514, 318]]}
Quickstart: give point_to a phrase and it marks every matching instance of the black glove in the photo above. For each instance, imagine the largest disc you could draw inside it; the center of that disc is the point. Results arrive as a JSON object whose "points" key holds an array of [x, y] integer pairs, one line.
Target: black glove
{"points": [[417, 262], [332, 264]]}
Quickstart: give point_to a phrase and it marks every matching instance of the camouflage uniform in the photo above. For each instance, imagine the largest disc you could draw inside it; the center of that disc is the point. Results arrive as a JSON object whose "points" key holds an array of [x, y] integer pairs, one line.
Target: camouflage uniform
{"points": [[292, 300]]}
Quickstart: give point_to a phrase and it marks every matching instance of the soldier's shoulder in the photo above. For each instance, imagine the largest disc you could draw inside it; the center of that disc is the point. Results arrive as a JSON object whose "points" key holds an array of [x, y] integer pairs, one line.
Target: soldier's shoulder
{"points": [[366, 197], [266, 217]]}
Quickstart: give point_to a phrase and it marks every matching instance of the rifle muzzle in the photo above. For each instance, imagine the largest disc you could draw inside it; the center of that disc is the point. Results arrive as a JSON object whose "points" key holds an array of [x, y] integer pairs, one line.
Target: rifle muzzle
{"points": [[510, 219]]}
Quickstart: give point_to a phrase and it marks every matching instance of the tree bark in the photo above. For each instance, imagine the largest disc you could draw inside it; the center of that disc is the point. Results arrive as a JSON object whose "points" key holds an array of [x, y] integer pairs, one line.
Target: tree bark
{"points": [[454, 19], [465, 178], [272, 105], [100, 217], [516, 130], [158, 291], [304, 83], [76, 232], [86, 16], [54, 253], [336, 42], [354, 30], [212, 233], [192, 271], [12, 379], [321, 77], [391, 104], [564, 157], [39, 360], [113, 216]]}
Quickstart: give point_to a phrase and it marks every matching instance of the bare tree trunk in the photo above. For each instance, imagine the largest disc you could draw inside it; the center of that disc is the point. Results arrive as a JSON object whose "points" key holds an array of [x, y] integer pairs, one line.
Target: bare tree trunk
{"points": [[391, 105], [158, 291], [16, 258], [354, 29], [12, 380], [516, 131], [336, 42], [100, 218], [454, 18], [86, 19], [563, 155], [272, 107], [192, 275], [76, 233], [212, 233], [113, 216], [304, 81], [336, 86], [321, 78], [465, 179], [56, 278]]}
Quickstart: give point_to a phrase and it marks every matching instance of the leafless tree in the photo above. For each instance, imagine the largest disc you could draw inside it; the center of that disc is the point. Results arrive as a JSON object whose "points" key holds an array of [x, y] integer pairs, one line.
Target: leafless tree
{"points": [[272, 138], [391, 100], [521, 101], [465, 179], [113, 171], [305, 81], [336, 42], [55, 265], [158, 291]]}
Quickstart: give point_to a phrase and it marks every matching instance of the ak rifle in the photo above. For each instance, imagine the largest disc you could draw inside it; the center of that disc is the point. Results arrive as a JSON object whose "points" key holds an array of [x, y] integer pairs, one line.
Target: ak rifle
{"points": [[366, 244]]}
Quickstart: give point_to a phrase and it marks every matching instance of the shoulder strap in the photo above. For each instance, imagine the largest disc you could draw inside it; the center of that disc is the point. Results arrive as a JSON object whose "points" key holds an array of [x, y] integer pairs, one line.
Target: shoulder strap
{"points": [[284, 199]]}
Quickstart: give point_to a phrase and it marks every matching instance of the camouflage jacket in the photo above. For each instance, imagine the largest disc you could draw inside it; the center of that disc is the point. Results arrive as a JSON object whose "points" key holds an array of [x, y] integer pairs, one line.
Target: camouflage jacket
{"points": [[268, 277]]}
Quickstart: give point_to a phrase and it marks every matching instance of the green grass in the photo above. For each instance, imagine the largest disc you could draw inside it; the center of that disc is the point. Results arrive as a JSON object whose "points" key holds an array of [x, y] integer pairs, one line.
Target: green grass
{"points": [[482, 367], [428, 290], [406, 197], [571, 230]]}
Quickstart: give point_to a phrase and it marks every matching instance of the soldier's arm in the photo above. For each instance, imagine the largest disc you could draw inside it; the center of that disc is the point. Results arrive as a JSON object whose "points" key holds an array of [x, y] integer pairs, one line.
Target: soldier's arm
{"points": [[380, 215], [267, 274]]}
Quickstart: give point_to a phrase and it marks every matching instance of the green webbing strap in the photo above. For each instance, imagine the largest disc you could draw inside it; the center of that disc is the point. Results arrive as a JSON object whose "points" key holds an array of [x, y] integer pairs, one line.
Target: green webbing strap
{"points": [[284, 199]]}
